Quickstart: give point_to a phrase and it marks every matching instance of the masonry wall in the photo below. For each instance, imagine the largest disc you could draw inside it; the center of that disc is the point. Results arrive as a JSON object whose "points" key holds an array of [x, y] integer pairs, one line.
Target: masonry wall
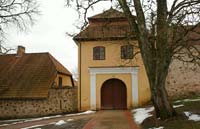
{"points": [[183, 80], [59, 101]]}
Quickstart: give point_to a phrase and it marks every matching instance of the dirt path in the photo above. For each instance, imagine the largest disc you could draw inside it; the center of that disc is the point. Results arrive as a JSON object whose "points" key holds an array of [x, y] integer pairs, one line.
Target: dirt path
{"points": [[106, 119], [112, 119]]}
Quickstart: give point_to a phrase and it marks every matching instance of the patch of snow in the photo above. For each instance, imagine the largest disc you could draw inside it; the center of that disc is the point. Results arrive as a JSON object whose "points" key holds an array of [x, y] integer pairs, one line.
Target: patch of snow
{"points": [[82, 113], [141, 114], [187, 100], [35, 126], [193, 117], [4, 125], [161, 127], [176, 106], [178, 101], [13, 120], [70, 120], [60, 122], [42, 118], [88, 112], [18, 121], [187, 113], [191, 100], [11, 123]]}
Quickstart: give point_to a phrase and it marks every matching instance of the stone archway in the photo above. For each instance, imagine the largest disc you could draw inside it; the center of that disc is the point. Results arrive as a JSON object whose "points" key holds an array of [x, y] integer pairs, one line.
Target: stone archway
{"points": [[113, 94]]}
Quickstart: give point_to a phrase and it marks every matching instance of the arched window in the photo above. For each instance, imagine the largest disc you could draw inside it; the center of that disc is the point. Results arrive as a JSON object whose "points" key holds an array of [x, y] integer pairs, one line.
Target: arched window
{"points": [[127, 52], [99, 53]]}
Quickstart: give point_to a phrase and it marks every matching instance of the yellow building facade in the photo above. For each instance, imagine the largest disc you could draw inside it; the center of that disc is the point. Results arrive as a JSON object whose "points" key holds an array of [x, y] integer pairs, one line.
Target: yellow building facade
{"points": [[64, 80], [111, 72]]}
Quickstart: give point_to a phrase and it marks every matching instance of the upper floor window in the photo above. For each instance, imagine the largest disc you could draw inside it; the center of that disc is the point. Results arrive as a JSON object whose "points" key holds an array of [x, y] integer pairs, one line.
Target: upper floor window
{"points": [[127, 52], [99, 53], [60, 82]]}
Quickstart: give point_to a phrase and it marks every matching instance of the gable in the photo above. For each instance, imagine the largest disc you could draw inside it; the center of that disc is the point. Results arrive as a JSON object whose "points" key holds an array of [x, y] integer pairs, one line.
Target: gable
{"points": [[29, 76]]}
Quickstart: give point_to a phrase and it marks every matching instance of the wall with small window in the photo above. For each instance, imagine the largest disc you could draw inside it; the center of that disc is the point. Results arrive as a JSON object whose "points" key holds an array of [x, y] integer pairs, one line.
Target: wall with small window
{"points": [[112, 51], [63, 81], [99, 52], [108, 54]]}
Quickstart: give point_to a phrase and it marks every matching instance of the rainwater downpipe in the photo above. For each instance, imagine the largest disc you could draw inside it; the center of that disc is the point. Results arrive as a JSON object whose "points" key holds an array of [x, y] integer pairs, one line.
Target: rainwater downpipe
{"points": [[80, 76]]}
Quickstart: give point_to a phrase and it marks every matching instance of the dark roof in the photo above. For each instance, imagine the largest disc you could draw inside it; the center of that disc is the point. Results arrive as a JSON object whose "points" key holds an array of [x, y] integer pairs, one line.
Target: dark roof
{"points": [[111, 13], [104, 32], [109, 25], [29, 76], [194, 36], [189, 33]]}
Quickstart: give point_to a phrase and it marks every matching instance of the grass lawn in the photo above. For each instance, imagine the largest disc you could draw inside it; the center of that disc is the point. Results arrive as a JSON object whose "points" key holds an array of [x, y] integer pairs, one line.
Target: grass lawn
{"points": [[179, 122]]}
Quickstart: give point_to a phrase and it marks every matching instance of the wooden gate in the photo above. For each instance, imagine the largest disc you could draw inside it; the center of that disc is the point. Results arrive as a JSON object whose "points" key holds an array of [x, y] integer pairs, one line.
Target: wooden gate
{"points": [[113, 95]]}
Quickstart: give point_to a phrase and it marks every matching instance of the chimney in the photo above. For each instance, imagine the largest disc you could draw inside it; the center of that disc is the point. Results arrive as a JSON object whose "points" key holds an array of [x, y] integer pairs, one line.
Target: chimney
{"points": [[20, 50]]}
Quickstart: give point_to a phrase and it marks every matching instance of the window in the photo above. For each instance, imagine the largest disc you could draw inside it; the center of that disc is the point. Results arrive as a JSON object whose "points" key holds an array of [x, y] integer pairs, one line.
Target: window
{"points": [[127, 52], [99, 53], [60, 82]]}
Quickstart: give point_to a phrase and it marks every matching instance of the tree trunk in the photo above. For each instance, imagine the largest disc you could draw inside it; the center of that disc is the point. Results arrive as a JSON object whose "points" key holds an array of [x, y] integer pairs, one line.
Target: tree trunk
{"points": [[161, 103], [156, 54], [159, 95]]}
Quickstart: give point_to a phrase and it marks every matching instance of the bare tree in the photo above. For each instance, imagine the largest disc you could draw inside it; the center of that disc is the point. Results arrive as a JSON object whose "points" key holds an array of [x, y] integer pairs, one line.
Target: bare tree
{"points": [[165, 30], [20, 13], [5, 50]]}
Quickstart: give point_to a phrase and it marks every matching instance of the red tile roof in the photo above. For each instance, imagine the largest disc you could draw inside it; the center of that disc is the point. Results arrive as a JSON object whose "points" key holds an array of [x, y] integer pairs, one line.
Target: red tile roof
{"points": [[29, 76]]}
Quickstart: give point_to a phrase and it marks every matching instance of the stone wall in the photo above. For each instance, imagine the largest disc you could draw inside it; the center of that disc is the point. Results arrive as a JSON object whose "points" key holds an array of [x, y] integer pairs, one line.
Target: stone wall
{"points": [[183, 80], [59, 101]]}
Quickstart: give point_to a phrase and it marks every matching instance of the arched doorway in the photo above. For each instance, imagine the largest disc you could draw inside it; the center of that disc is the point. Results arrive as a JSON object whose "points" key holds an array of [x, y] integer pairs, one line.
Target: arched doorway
{"points": [[113, 95]]}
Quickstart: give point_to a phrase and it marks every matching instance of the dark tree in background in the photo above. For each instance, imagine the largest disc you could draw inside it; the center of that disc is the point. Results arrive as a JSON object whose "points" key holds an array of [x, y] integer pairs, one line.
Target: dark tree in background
{"points": [[18, 13], [165, 30]]}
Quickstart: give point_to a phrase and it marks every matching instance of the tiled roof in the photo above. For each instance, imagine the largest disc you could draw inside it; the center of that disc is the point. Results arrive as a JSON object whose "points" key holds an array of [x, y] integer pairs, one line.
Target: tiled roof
{"points": [[29, 76], [109, 25], [104, 32], [111, 13], [59, 67]]}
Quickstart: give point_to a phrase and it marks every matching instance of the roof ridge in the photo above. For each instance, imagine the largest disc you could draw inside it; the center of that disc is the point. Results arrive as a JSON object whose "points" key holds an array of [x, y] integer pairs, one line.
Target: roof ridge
{"points": [[54, 61], [110, 13], [49, 55], [14, 54]]}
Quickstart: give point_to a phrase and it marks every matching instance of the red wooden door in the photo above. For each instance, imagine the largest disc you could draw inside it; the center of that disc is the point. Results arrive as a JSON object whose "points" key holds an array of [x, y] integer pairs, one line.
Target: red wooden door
{"points": [[113, 95]]}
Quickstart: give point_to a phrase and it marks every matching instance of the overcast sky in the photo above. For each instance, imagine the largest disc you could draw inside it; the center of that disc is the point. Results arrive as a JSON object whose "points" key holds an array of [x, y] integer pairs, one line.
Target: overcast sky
{"points": [[48, 34]]}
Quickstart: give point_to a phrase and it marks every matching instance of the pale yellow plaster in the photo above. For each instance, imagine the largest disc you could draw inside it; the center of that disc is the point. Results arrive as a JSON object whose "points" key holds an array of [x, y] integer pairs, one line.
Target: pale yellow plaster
{"points": [[66, 80], [112, 59]]}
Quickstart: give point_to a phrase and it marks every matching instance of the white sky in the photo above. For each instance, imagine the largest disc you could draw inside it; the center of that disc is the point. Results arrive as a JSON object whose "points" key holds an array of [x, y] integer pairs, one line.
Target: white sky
{"points": [[48, 34]]}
